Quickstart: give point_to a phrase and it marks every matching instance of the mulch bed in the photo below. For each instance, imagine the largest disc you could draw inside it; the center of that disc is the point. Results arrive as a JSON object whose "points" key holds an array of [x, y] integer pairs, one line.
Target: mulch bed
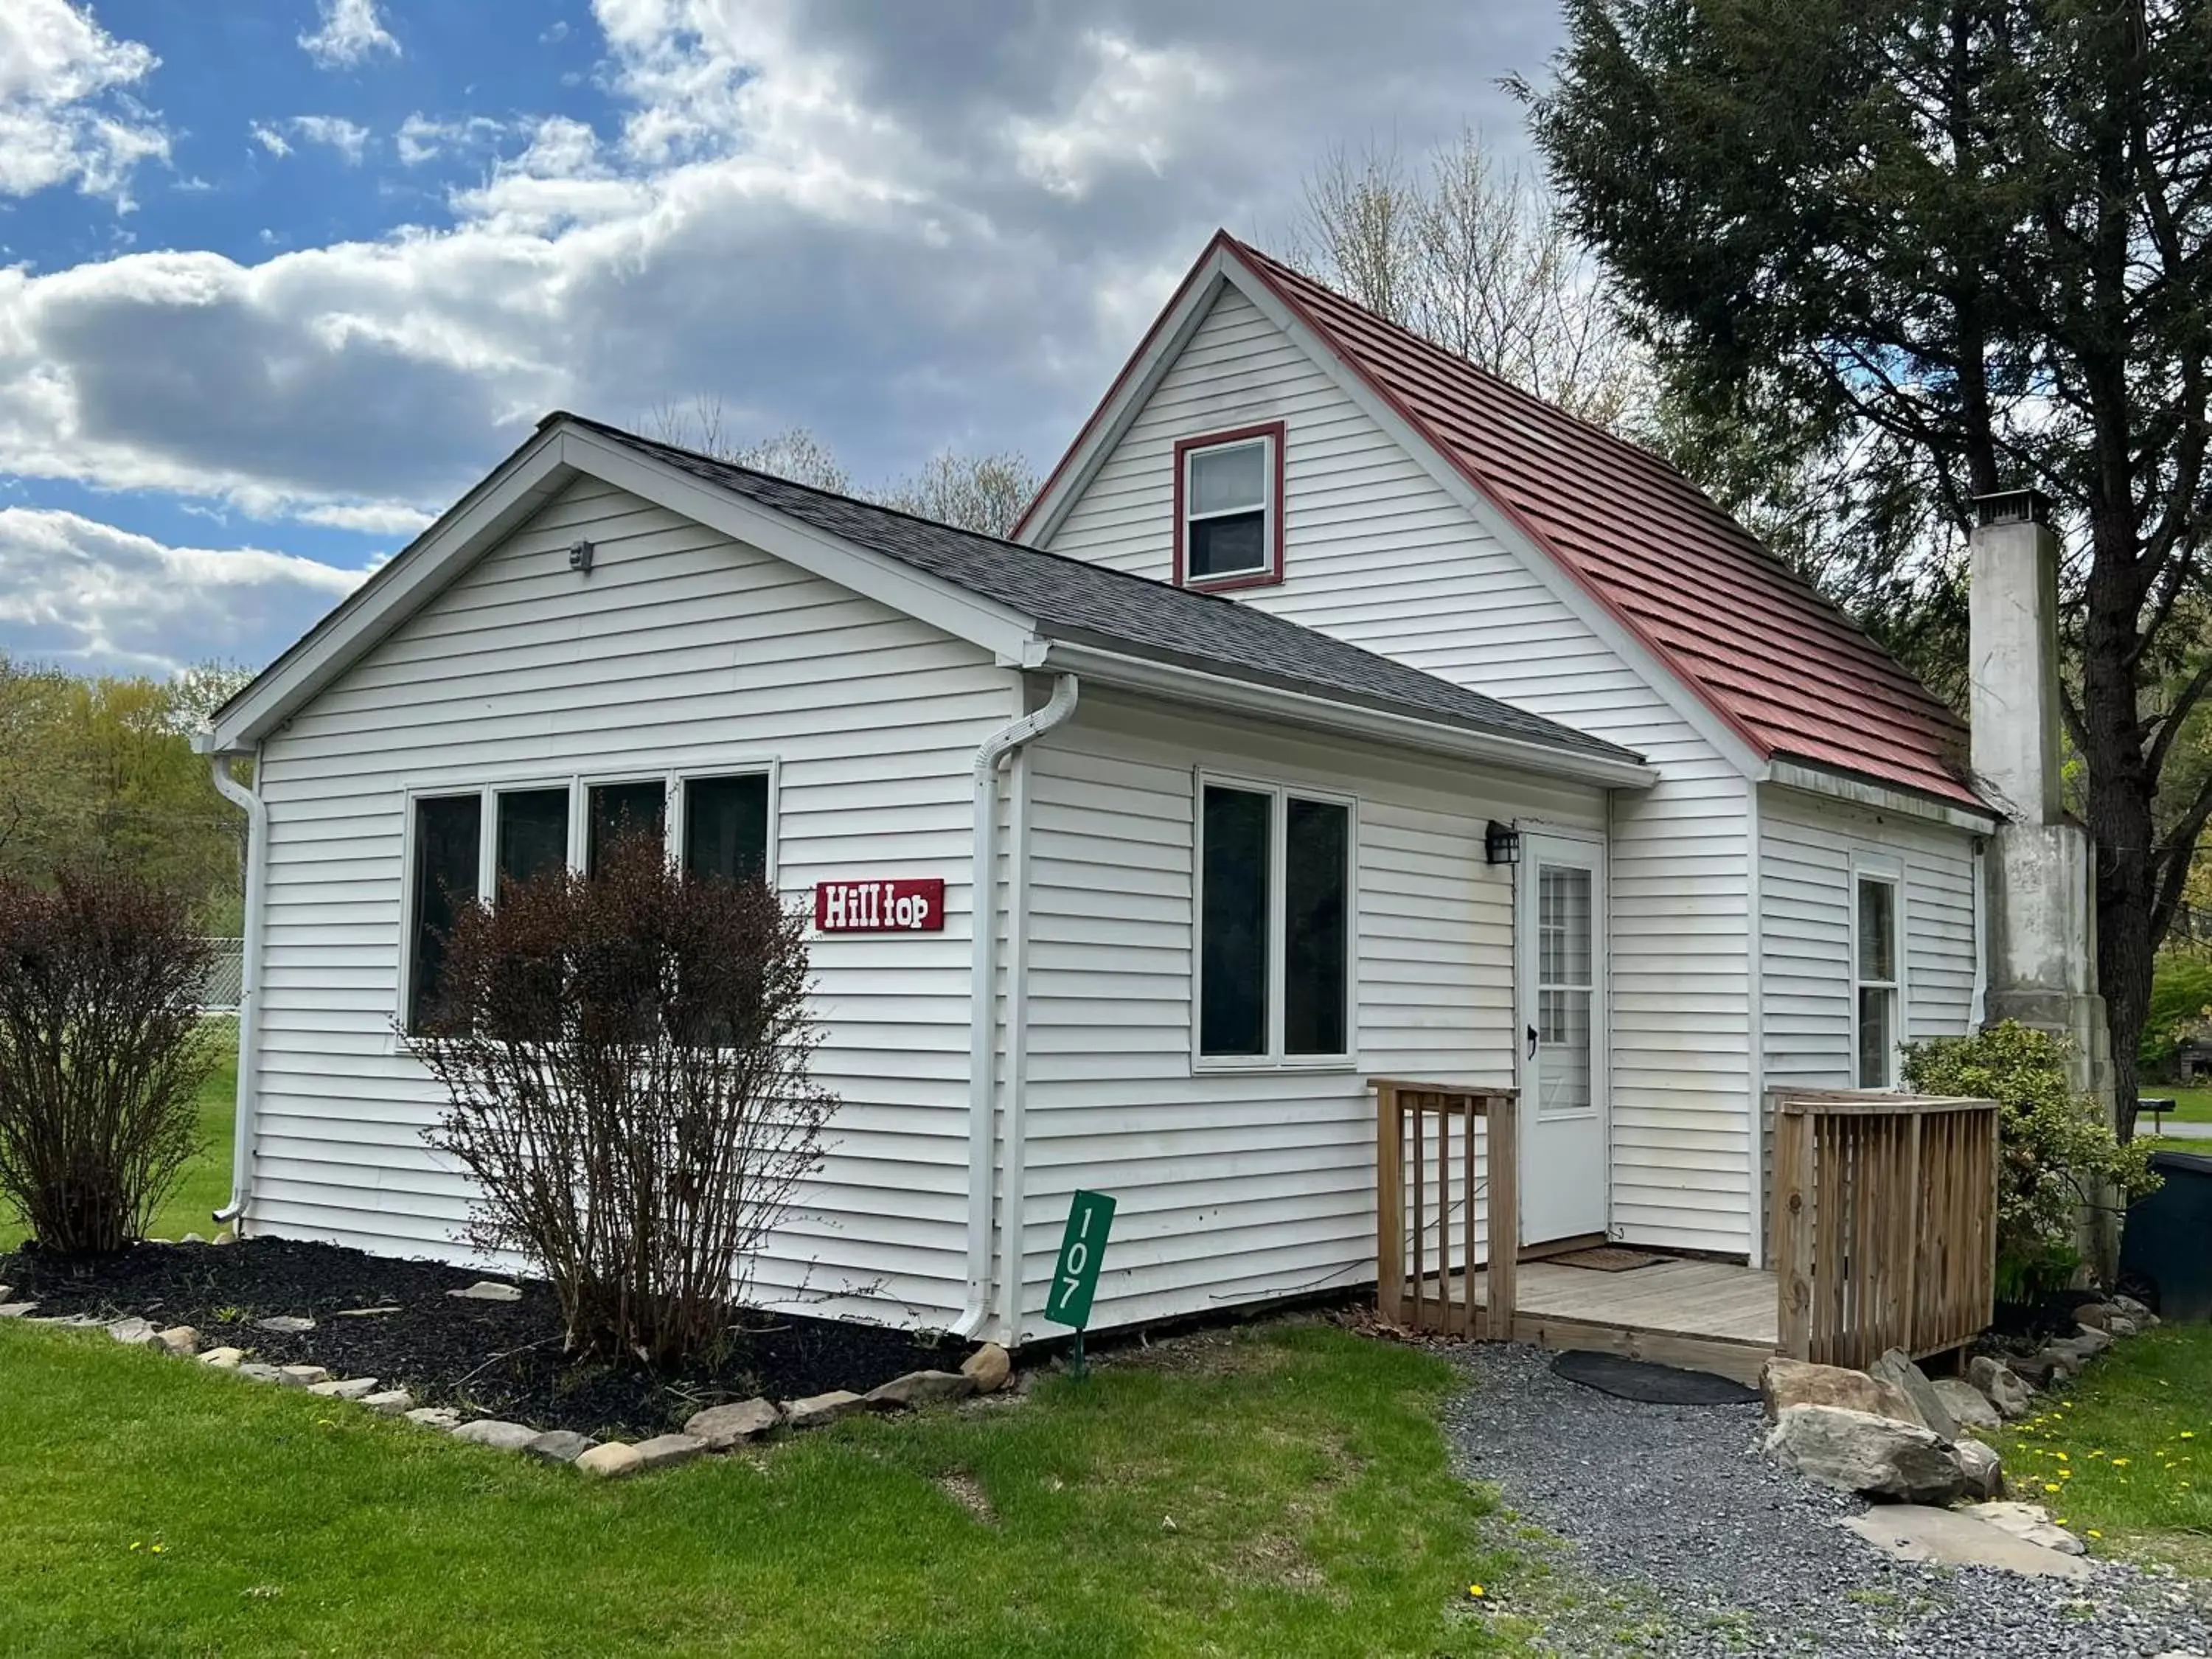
{"points": [[499, 1360]]}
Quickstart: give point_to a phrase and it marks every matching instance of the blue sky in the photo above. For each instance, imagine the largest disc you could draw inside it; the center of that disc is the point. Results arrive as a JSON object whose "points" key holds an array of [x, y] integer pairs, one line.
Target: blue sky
{"points": [[279, 281]]}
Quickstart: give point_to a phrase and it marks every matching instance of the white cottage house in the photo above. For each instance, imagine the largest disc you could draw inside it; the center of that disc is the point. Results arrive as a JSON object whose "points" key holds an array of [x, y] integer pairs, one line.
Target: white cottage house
{"points": [[1349, 714]]}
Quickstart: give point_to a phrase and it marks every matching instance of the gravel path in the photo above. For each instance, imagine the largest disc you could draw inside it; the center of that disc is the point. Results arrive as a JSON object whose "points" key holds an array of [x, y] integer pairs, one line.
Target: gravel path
{"points": [[1683, 1540]]}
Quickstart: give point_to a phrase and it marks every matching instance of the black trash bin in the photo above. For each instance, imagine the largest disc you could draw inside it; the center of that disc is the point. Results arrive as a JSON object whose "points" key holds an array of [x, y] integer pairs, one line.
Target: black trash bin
{"points": [[2167, 1245]]}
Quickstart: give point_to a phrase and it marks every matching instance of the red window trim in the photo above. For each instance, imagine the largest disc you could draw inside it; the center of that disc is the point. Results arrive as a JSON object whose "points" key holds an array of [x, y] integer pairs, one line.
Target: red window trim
{"points": [[1271, 430]]}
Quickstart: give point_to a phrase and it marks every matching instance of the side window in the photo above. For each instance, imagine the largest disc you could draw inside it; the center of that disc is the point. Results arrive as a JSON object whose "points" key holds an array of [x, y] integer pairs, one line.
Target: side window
{"points": [[1229, 515], [1275, 926], [1317, 934], [448, 834], [1875, 981], [726, 827], [1234, 940]]}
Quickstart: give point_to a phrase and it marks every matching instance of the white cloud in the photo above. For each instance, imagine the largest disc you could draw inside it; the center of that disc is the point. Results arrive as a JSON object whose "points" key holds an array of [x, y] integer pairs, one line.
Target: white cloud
{"points": [[369, 518], [349, 138], [875, 222], [270, 139], [351, 31], [65, 116], [77, 590], [420, 139], [1135, 107]]}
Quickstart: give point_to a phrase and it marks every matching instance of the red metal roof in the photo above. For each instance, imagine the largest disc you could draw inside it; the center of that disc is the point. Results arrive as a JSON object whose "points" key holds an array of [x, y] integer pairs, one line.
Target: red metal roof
{"points": [[1784, 666]]}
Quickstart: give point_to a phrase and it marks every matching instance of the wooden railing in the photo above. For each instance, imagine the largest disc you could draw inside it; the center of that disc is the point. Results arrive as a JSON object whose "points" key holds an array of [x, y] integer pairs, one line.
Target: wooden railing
{"points": [[1428, 1244], [1884, 1223]]}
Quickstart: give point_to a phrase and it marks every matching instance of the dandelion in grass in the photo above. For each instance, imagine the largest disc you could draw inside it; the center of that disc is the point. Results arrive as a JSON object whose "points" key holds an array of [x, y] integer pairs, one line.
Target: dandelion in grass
{"points": [[2051, 1485], [2121, 1462]]}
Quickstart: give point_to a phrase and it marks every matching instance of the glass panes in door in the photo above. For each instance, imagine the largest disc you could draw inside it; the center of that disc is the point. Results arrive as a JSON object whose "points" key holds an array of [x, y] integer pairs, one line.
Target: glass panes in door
{"points": [[1566, 989]]}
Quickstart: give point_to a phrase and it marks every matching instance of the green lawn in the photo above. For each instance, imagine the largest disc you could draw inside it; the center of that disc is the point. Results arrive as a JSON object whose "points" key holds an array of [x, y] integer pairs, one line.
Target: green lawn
{"points": [[1279, 1492], [204, 1186], [2125, 1458]]}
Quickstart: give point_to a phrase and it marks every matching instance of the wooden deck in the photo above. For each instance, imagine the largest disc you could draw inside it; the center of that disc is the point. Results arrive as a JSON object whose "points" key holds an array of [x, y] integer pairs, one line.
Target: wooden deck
{"points": [[1708, 1316]]}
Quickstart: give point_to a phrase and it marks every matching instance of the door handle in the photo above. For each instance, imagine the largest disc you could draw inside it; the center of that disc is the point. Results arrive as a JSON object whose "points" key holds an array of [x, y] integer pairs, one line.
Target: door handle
{"points": [[1532, 1042]]}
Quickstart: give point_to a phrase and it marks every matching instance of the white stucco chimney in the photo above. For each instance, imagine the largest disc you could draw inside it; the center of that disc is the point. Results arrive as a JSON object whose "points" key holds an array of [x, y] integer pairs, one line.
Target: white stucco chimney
{"points": [[2012, 601], [2042, 932]]}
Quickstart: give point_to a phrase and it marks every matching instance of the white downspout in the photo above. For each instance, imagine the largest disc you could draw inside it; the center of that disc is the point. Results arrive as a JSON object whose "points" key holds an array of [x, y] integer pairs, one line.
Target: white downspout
{"points": [[249, 990], [1013, 1178], [1755, 903], [982, 1014], [1978, 1008]]}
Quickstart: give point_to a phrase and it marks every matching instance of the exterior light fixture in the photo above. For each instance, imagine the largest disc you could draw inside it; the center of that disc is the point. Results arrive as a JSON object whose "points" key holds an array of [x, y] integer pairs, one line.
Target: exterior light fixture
{"points": [[580, 557], [1501, 843]]}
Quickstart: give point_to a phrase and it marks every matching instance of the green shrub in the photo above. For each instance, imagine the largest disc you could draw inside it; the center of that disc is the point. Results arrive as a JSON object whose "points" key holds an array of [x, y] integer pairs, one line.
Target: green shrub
{"points": [[2057, 1154], [2180, 998]]}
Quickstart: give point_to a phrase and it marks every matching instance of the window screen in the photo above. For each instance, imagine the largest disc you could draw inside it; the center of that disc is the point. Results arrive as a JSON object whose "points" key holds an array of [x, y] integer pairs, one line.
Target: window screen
{"points": [[726, 827], [624, 809], [447, 833], [1234, 944]]}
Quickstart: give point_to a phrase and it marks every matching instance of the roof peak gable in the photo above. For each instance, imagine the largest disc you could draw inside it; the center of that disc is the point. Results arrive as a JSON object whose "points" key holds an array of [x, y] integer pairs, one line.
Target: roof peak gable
{"points": [[1742, 647]]}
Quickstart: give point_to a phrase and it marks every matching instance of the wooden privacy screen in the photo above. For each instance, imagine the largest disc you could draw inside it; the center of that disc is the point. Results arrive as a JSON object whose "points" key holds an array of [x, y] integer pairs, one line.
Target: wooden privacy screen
{"points": [[1885, 1223], [1429, 1175]]}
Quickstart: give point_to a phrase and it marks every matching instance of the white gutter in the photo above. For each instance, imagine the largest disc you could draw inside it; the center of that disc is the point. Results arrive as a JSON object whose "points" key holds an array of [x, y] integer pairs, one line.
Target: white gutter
{"points": [[983, 1048], [1219, 692], [249, 990]]}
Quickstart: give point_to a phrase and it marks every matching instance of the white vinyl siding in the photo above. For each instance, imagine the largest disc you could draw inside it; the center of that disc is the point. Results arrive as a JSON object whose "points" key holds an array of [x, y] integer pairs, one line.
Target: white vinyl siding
{"points": [[1378, 553], [1807, 845], [680, 651], [1242, 1186]]}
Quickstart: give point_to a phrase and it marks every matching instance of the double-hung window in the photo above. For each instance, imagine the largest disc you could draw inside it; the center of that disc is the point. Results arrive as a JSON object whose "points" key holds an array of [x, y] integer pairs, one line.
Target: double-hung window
{"points": [[466, 846], [1276, 916], [1876, 982], [1229, 510]]}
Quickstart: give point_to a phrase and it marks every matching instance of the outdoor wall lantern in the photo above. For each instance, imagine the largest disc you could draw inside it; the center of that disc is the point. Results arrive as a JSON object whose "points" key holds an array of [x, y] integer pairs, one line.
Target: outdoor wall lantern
{"points": [[1501, 843]]}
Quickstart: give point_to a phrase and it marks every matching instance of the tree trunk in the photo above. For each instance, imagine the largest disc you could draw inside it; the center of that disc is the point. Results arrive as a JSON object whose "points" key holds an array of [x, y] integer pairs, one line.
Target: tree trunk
{"points": [[2120, 795]]}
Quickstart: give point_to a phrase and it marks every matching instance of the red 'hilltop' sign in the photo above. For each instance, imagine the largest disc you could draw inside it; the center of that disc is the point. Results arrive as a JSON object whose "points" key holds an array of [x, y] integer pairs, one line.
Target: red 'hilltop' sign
{"points": [[916, 906]]}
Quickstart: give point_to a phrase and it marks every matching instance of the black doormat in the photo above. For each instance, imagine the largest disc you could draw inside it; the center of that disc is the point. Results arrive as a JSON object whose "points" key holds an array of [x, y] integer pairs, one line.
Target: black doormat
{"points": [[1654, 1385]]}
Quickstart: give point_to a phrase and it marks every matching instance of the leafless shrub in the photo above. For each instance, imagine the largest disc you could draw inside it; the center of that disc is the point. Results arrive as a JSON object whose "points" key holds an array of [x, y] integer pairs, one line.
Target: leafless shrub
{"points": [[627, 1063], [100, 1055]]}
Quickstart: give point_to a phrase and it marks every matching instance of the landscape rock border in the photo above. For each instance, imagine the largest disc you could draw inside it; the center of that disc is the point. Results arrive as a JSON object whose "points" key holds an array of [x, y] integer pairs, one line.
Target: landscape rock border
{"points": [[715, 1429], [1891, 1434]]}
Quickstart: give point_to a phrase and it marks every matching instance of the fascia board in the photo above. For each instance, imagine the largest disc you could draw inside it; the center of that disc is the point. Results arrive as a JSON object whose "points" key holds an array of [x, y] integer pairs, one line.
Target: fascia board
{"points": [[1199, 688], [1863, 792]]}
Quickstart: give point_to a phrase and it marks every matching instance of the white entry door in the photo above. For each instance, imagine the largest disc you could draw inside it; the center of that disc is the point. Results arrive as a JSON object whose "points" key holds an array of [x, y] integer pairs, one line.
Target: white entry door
{"points": [[1560, 934]]}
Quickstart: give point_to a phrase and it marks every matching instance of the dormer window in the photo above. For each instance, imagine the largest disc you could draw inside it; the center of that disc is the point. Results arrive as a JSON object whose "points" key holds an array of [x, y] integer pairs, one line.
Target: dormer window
{"points": [[1229, 509]]}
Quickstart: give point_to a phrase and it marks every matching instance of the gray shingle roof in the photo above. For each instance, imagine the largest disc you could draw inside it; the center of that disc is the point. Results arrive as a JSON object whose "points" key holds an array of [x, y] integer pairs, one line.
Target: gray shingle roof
{"points": [[1091, 605]]}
